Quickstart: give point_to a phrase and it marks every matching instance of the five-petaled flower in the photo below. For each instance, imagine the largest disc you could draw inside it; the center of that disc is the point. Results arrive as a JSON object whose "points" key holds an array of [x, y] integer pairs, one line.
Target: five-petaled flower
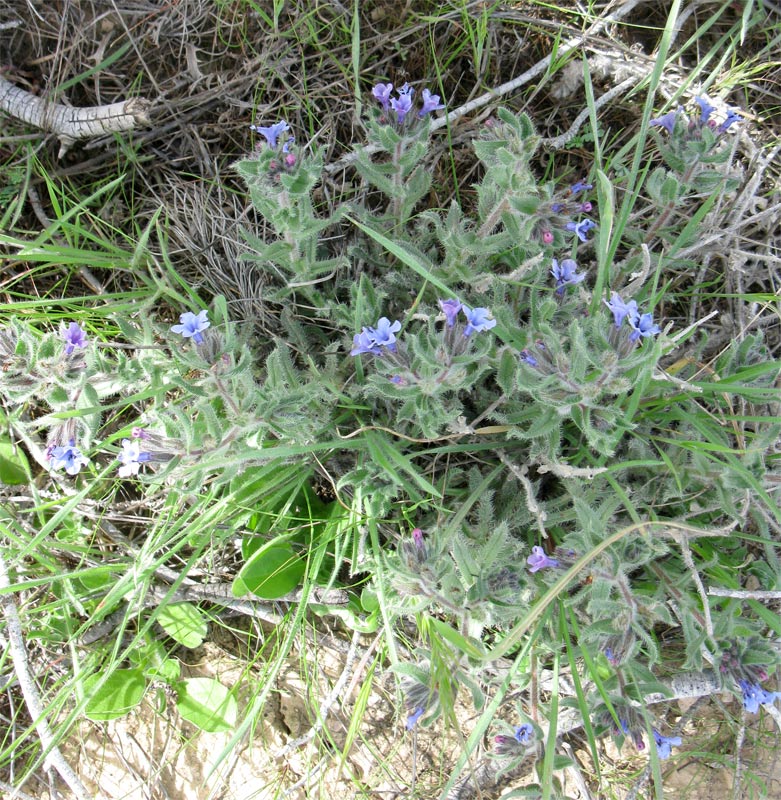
{"points": [[580, 186], [620, 309], [191, 325], [581, 228], [732, 117], [402, 105], [664, 743], [382, 92], [538, 560], [430, 103], [413, 718], [272, 132], [477, 320], [450, 309], [667, 121], [642, 325], [385, 333], [372, 340], [68, 457], [565, 274], [73, 337], [131, 457], [754, 695], [705, 107]]}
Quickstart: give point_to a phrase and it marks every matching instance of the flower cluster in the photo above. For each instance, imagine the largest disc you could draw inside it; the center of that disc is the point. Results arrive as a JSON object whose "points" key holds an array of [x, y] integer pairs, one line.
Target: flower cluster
{"points": [[642, 325], [563, 212], [694, 125], [736, 663], [401, 105], [477, 319]]}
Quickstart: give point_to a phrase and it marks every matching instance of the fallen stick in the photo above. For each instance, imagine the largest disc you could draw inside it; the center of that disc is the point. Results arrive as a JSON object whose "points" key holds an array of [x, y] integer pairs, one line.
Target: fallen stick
{"points": [[70, 124]]}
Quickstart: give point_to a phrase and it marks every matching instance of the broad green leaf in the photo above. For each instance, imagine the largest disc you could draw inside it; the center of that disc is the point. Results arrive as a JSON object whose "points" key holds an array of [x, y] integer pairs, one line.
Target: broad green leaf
{"points": [[13, 463], [184, 623], [271, 572], [121, 692], [208, 704]]}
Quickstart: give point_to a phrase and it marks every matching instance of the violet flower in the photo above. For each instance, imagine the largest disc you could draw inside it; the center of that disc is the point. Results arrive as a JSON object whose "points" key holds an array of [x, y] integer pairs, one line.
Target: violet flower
{"points": [[667, 121], [382, 93], [566, 274], [620, 309], [271, 133], [450, 309], [430, 103], [73, 337], [705, 107], [538, 560]]}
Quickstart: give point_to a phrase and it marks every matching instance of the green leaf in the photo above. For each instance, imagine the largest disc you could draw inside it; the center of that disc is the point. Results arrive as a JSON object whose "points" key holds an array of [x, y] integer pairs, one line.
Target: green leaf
{"points": [[208, 704], [14, 467], [273, 571], [121, 692], [184, 623], [468, 646]]}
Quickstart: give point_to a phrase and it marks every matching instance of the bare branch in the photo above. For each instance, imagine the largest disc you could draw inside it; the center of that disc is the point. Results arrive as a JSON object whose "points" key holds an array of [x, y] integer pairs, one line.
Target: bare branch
{"points": [[70, 124]]}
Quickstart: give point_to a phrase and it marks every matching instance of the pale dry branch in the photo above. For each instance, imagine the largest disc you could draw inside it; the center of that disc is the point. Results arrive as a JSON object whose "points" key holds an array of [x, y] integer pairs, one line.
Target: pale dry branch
{"points": [[32, 697], [70, 124]]}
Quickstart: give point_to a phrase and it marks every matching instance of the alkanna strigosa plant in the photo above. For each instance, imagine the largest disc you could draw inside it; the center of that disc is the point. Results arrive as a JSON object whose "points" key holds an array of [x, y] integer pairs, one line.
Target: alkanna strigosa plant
{"points": [[481, 384]]}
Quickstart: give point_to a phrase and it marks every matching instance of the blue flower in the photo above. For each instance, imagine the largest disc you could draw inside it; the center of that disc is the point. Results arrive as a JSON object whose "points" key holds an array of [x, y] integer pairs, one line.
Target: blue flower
{"points": [[642, 325], [382, 93], [385, 333], [565, 274], [580, 186], [706, 108], [364, 342], [69, 458], [191, 325], [73, 336], [430, 103], [372, 340], [538, 560], [477, 320], [403, 105], [667, 121], [450, 309], [529, 358], [732, 117], [524, 733], [271, 133], [620, 309], [754, 695], [413, 718], [581, 228], [131, 457], [664, 743]]}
